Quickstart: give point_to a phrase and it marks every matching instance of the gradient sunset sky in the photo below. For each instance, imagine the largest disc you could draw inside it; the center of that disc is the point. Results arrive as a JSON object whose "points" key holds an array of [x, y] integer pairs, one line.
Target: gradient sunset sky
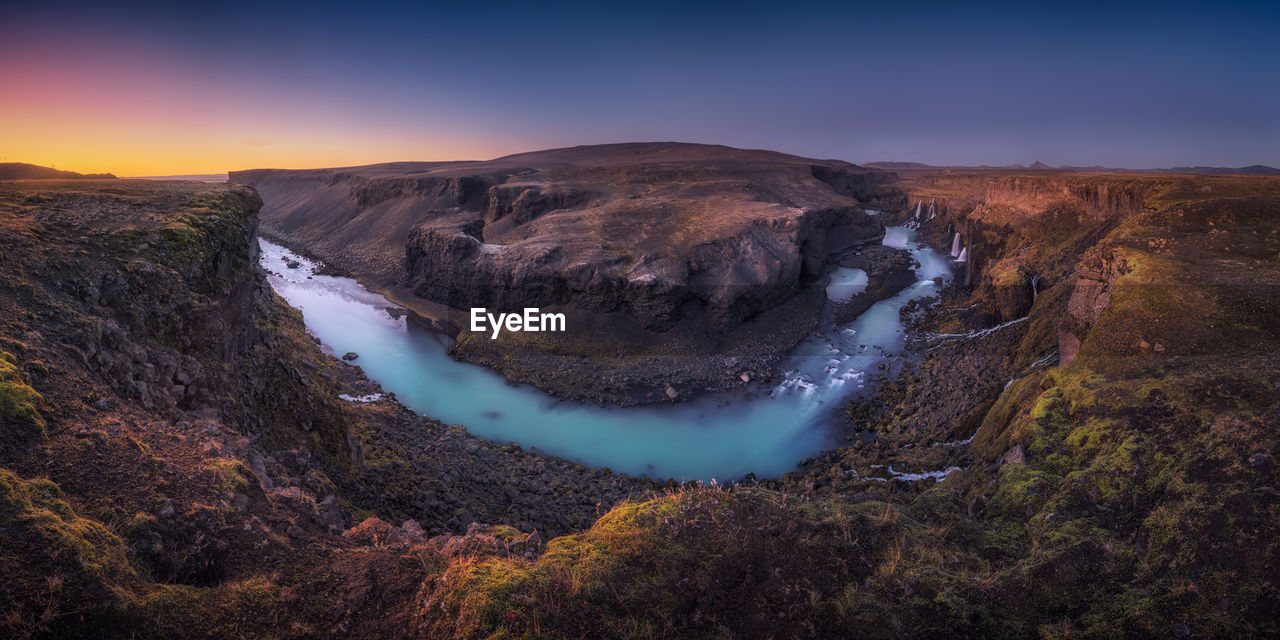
{"points": [[140, 89]]}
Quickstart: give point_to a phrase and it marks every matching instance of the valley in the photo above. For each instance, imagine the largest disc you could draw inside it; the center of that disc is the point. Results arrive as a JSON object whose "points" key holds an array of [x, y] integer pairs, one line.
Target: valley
{"points": [[663, 256], [1073, 432]]}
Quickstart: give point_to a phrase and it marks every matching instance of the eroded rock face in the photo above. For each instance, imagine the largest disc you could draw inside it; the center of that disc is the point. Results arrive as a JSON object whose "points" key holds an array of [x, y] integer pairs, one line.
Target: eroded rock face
{"points": [[653, 236], [1089, 299], [1014, 296], [160, 298], [1020, 234], [729, 277]]}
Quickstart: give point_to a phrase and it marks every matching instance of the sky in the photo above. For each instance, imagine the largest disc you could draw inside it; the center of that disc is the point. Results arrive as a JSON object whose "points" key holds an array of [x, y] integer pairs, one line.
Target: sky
{"points": [[189, 87]]}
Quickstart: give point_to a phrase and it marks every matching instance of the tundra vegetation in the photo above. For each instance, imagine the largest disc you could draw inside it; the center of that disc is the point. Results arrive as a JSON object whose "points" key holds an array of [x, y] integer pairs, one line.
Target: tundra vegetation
{"points": [[1106, 387]]}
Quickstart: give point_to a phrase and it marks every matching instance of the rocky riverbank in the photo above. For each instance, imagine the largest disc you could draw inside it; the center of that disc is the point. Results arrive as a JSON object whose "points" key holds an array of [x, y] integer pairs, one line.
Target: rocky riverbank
{"points": [[668, 259], [405, 466]]}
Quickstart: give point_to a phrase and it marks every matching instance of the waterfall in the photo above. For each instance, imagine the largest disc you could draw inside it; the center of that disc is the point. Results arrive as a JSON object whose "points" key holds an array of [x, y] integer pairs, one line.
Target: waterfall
{"points": [[964, 255], [955, 245], [933, 209], [918, 206]]}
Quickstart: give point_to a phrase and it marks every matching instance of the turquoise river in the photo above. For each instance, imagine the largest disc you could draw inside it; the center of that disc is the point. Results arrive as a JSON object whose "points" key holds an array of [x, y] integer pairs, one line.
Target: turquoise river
{"points": [[716, 436]]}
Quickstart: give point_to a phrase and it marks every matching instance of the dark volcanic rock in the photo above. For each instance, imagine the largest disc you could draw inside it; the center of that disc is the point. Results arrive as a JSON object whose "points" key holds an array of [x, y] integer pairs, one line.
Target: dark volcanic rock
{"points": [[1089, 299], [889, 271], [878, 260], [661, 248]]}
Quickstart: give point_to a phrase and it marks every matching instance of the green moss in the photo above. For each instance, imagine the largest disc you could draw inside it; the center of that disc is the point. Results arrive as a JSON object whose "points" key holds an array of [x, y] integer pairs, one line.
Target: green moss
{"points": [[139, 523], [65, 565], [14, 498], [741, 553], [19, 403], [1000, 428], [504, 532], [1022, 490]]}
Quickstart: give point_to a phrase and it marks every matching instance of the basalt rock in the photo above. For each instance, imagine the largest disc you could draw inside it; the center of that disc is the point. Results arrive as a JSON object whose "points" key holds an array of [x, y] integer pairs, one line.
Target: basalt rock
{"points": [[655, 247], [1089, 299], [159, 297]]}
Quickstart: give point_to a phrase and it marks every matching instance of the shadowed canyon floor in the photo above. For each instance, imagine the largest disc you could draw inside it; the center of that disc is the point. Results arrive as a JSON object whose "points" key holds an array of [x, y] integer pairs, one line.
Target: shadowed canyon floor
{"points": [[1084, 443]]}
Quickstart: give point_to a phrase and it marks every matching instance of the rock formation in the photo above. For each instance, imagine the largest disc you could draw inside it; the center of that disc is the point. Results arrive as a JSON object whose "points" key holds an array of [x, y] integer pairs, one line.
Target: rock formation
{"points": [[662, 248], [1089, 299]]}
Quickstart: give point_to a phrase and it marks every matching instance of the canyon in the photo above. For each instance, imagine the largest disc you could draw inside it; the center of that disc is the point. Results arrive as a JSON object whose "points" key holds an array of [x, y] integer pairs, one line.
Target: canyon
{"points": [[655, 252], [1079, 438]]}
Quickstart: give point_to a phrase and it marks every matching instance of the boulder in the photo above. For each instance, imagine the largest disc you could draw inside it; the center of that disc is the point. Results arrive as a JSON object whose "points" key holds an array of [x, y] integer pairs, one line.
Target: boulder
{"points": [[1015, 455]]}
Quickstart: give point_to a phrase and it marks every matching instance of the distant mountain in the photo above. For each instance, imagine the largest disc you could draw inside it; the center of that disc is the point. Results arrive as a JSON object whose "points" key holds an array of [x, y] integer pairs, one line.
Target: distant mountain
{"points": [[24, 171], [920, 167], [1097, 168], [901, 166], [1253, 170], [1259, 169]]}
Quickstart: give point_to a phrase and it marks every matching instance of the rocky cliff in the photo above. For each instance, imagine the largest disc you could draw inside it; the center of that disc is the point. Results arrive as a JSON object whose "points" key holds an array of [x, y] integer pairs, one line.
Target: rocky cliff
{"points": [[169, 432], [154, 290], [1021, 234], [661, 249], [1116, 427], [1096, 275]]}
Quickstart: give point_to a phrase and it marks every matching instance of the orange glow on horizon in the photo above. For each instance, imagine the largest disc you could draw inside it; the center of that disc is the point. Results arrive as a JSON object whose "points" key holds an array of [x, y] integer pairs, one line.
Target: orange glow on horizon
{"points": [[89, 143], [141, 118], [87, 150]]}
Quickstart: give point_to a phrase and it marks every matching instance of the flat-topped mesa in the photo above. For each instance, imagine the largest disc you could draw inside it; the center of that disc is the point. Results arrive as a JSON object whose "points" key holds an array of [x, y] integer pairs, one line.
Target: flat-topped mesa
{"points": [[642, 248], [632, 240]]}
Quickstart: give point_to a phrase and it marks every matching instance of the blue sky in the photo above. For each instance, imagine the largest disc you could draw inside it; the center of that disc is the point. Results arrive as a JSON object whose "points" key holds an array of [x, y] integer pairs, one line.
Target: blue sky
{"points": [[1134, 85]]}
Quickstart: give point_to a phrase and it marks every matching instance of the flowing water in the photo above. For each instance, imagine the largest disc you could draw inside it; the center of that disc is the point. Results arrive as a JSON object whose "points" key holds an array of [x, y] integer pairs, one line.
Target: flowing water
{"points": [[845, 282], [716, 436]]}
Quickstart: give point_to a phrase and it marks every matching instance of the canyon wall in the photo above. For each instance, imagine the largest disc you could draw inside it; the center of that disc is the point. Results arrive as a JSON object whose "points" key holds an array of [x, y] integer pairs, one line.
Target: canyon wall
{"points": [[1098, 407], [170, 432], [1023, 233], [663, 248], [156, 291]]}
